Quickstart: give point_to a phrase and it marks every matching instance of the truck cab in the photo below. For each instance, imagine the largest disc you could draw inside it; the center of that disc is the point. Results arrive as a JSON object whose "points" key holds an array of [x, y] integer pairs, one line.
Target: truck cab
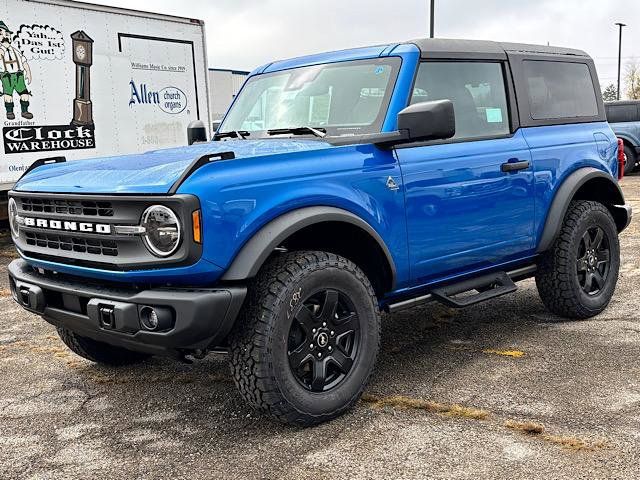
{"points": [[339, 186]]}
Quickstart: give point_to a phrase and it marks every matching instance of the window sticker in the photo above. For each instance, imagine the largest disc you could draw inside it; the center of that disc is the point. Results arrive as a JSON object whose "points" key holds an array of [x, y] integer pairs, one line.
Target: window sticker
{"points": [[494, 115]]}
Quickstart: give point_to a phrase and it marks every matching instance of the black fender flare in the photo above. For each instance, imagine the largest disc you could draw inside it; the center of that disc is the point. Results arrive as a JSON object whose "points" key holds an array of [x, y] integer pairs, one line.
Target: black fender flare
{"points": [[255, 252], [567, 192]]}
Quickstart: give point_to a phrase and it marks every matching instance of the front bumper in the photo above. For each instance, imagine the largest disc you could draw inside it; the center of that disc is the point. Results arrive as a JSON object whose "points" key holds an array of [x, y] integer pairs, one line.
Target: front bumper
{"points": [[201, 318], [627, 216]]}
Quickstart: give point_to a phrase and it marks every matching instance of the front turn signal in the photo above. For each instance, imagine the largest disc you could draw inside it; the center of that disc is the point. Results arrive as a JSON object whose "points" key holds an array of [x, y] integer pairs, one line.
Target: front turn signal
{"points": [[196, 220]]}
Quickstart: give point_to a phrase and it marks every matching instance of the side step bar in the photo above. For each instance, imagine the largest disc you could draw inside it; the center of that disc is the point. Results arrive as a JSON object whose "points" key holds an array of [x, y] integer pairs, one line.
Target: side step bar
{"points": [[487, 287]]}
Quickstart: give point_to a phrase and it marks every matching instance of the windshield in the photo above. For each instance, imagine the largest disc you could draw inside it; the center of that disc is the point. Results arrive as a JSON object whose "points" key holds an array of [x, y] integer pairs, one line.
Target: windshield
{"points": [[339, 98]]}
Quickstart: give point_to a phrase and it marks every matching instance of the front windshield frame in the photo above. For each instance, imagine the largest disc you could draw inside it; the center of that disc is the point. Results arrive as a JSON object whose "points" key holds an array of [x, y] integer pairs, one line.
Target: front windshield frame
{"points": [[375, 126]]}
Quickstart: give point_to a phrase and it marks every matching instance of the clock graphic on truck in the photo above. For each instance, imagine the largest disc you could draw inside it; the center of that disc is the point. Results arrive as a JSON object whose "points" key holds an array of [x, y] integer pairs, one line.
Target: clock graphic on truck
{"points": [[81, 52], [83, 58]]}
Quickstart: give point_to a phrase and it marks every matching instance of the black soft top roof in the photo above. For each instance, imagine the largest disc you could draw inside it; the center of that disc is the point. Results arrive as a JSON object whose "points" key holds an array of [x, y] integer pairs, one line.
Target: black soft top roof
{"points": [[452, 48]]}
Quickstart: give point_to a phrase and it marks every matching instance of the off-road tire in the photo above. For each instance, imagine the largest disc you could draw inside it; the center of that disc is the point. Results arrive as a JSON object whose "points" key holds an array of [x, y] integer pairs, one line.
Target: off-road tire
{"points": [[557, 277], [632, 160], [259, 351], [99, 352]]}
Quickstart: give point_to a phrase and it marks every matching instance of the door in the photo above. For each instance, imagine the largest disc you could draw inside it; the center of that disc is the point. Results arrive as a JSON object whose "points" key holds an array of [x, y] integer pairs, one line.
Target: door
{"points": [[469, 200]]}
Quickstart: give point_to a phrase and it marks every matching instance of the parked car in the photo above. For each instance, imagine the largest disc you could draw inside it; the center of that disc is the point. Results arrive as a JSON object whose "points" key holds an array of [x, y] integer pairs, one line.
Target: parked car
{"points": [[624, 118], [338, 186]]}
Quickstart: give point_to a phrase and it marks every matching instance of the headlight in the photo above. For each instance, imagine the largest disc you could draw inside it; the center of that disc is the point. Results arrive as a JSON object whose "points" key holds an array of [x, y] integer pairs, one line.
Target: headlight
{"points": [[162, 230], [13, 217]]}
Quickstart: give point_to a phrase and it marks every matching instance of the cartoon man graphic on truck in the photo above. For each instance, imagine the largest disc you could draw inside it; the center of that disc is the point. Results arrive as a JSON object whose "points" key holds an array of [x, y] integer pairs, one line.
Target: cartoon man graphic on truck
{"points": [[15, 74]]}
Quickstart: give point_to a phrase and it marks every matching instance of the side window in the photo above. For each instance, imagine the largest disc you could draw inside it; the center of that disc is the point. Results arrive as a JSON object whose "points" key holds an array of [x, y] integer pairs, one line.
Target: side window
{"points": [[477, 91], [560, 90]]}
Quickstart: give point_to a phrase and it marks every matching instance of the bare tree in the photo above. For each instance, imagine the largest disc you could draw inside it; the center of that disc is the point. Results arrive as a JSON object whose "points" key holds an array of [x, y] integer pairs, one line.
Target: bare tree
{"points": [[632, 80]]}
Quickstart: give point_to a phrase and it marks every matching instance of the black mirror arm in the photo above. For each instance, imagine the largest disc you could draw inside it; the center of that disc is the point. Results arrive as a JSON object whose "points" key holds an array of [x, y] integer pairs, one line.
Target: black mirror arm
{"points": [[391, 139]]}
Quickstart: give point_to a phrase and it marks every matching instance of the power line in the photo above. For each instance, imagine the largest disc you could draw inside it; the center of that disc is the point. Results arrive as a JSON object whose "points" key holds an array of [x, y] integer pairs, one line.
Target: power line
{"points": [[621, 26], [432, 20]]}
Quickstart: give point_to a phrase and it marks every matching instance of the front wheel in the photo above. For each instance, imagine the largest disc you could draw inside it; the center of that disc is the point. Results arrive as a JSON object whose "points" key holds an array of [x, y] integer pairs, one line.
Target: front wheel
{"points": [[307, 341], [576, 278]]}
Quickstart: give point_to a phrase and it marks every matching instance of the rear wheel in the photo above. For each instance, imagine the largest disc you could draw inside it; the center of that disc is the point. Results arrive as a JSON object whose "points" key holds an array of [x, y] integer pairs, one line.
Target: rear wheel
{"points": [[307, 340], [99, 352], [576, 278], [631, 160]]}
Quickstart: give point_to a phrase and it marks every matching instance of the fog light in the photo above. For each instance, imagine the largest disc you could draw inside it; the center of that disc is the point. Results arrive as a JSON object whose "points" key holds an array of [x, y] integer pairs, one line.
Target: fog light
{"points": [[156, 318]]}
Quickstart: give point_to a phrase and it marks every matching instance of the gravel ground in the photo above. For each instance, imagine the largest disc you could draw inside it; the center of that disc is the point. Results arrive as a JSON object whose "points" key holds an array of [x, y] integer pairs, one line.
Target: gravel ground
{"points": [[504, 390]]}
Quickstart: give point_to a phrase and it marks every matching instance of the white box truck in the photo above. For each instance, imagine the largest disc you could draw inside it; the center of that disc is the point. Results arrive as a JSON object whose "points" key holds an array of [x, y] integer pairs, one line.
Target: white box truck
{"points": [[80, 80]]}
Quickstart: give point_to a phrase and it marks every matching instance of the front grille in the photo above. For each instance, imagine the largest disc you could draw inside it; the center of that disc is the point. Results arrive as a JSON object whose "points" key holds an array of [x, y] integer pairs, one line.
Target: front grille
{"points": [[63, 228], [72, 244], [67, 207]]}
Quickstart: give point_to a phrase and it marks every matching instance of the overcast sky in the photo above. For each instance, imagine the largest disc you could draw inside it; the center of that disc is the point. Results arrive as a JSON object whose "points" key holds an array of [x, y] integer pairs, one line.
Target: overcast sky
{"points": [[243, 34]]}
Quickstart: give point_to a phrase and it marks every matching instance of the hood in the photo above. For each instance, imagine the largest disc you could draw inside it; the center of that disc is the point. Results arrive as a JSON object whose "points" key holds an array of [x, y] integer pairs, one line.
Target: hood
{"points": [[148, 173]]}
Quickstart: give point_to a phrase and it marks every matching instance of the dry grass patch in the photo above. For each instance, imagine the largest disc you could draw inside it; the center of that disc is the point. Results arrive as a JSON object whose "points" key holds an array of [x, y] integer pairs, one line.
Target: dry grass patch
{"points": [[573, 443], [9, 253], [56, 351], [530, 428], [5, 292], [59, 351], [505, 353], [399, 401], [570, 443]]}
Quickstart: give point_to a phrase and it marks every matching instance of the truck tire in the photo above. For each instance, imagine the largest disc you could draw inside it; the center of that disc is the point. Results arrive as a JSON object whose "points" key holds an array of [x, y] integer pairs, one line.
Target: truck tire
{"points": [[307, 340], [631, 160], [576, 278], [99, 352]]}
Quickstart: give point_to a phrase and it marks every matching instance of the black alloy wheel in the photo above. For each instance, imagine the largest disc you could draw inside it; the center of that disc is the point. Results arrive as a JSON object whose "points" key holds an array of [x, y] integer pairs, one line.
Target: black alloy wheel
{"points": [[323, 340], [593, 260]]}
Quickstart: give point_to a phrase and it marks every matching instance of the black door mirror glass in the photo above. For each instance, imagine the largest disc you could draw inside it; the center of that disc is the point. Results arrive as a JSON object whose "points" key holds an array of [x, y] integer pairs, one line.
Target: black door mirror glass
{"points": [[196, 132], [428, 121]]}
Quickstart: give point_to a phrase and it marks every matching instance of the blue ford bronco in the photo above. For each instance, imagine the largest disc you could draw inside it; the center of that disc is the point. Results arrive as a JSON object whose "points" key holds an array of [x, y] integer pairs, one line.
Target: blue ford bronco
{"points": [[624, 118], [338, 186]]}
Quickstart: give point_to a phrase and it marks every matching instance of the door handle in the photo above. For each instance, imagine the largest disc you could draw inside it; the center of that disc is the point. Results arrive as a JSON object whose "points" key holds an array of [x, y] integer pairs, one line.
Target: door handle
{"points": [[513, 165]]}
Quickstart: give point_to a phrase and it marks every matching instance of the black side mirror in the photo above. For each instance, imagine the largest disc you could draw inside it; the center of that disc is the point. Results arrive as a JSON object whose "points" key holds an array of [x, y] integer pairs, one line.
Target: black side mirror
{"points": [[428, 121], [196, 132]]}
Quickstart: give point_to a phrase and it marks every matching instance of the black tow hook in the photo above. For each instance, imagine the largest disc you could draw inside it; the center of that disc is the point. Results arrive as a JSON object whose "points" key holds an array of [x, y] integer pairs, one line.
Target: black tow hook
{"points": [[30, 297], [23, 296]]}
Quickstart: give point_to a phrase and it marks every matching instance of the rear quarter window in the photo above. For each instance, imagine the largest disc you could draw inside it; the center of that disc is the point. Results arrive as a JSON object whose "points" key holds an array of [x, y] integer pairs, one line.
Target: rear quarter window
{"points": [[560, 90]]}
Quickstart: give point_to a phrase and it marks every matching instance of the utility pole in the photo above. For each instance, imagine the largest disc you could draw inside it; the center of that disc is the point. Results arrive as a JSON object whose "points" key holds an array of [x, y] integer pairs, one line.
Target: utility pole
{"points": [[620, 25], [432, 19]]}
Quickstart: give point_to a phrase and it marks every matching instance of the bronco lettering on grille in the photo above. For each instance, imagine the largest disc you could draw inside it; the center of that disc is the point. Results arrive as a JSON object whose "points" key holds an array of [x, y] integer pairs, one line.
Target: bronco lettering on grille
{"points": [[67, 226]]}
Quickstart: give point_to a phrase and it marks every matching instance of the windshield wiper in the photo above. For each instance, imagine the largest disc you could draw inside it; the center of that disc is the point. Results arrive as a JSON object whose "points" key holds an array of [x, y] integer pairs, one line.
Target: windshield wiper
{"points": [[318, 132], [241, 134]]}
